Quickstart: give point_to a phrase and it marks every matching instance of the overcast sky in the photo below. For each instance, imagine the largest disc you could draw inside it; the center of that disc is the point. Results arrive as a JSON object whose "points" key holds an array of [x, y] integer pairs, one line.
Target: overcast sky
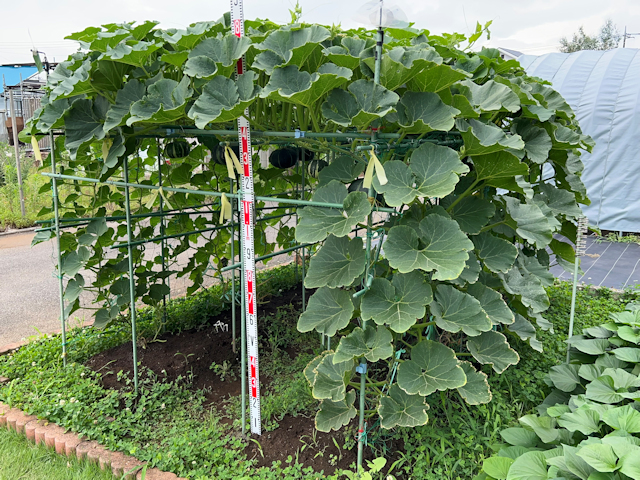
{"points": [[533, 26]]}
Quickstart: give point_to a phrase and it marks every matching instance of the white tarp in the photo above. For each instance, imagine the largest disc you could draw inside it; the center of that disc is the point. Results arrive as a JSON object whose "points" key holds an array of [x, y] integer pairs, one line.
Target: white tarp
{"points": [[603, 88]]}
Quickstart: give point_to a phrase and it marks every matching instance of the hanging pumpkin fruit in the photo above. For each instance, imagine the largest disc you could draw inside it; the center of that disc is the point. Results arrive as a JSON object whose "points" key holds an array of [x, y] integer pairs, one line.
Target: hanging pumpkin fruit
{"points": [[315, 166], [283, 158], [218, 154], [356, 186], [177, 149], [308, 154]]}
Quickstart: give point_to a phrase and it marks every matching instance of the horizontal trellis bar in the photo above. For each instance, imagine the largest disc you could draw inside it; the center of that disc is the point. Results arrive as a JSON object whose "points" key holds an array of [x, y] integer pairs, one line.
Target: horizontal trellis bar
{"points": [[288, 201], [269, 255]]}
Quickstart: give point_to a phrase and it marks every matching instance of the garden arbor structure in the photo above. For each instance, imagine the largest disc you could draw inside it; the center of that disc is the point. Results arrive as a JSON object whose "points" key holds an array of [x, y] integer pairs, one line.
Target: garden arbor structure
{"points": [[429, 226]]}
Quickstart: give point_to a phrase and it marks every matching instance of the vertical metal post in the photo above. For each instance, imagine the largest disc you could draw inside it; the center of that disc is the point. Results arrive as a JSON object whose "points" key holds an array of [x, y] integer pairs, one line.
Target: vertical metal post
{"points": [[16, 148], [233, 271], [54, 189], [302, 197], [581, 244], [163, 241], [132, 283]]}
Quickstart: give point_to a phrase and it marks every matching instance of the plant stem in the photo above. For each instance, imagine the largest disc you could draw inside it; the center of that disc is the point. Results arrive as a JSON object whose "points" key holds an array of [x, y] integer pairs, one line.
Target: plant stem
{"points": [[464, 194], [463, 354], [489, 227]]}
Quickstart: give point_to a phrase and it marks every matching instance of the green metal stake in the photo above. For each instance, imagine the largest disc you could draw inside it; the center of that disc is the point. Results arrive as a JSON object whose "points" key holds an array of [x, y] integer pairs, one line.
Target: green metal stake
{"points": [[54, 187], [233, 273], [302, 197], [132, 284], [581, 244], [163, 243]]}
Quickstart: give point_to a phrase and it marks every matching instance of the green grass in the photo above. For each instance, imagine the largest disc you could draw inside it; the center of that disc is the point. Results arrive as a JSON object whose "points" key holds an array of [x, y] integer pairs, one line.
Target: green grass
{"points": [[21, 459]]}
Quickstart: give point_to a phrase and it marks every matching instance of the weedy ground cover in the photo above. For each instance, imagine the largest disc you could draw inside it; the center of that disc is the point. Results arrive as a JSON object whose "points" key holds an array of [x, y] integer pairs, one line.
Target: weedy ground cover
{"points": [[177, 427]]}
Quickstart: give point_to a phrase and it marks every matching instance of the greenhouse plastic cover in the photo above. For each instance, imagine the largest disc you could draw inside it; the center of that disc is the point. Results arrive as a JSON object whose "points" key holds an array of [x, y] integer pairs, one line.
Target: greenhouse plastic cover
{"points": [[603, 88]]}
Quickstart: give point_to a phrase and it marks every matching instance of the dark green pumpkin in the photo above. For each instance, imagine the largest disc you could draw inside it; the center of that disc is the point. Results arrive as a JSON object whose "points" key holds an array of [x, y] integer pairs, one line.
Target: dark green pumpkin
{"points": [[177, 149], [210, 142], [283, 158], [315, 166], [218, 155], [356, 186], [308, 154]]}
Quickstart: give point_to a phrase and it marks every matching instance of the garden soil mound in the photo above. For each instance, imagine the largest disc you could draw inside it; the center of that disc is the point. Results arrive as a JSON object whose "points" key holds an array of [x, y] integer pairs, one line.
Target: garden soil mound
{"points": [[190, 354]]}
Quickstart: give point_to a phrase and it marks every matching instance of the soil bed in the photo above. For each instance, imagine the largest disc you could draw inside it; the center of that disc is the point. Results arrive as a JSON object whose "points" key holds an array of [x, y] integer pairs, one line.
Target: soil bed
{"points": [[191, 353]]}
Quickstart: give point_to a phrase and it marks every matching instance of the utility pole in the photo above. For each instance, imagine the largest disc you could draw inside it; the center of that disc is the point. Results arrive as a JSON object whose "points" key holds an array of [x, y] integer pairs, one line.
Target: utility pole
{"points": [[16, 147], [627, 35]]}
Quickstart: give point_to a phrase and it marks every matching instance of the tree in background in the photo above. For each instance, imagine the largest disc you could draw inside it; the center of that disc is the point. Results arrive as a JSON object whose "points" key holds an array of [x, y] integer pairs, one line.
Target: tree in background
{"points": [[608, 38]]}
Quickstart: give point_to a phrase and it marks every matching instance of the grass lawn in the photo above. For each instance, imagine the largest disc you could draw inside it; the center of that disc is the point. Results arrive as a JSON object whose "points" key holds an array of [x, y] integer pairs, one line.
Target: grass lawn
{"points": [[21, 459]]}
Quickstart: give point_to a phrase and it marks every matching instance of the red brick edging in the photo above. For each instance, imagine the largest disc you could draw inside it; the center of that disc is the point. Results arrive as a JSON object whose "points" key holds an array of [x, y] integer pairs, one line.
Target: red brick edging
{"points": [[70, 444]]}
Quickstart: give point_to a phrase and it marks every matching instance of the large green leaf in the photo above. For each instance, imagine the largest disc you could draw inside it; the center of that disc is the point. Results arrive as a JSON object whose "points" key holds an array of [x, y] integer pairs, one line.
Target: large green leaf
{"points": [[519, 281], [628, 354], [492, 304], [398, 303], [289, 84], [224, 100], [472, 213], [565, 377], [497, 467], [561, 202], [584, 420], [497, 254], [434, 171], [374, 343], [216, 55], [329, 310], [131, 52], [436, 79], [490, 96], [497, 167], [455, 310], [343, 169], [331, 378], [482, 138], [400, 64], [493, 348], [600, 457], [519, 437], [476, 391], [84, 123], [530, 222], [289, 46], [363, 103], [119, 112], [334, 415], [530, 466], [337, 264], [348, 53], [625, 418], [400, 409], [440, 246], [544, 427], [423, 112], [537, 142], [433, 366], [318, 222], [74, 288], [164, 102]]}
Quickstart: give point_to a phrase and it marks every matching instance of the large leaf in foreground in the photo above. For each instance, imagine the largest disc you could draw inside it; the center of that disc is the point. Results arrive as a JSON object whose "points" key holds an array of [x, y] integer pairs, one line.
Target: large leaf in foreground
{"points": [[493, 348], [363, 103], [492, 304], [455, 310], [434, 171], [164, 102], [497, 254], [329, 310], [398, 303], [445, 248], [423, 112], [216, 55], [334, 415], [84, 123], [476, 391], [224, 100], [331, 378], [530, 466], [374, 343], [400, 409], [338, 263], [482, 138], [432, 367], [318, 222]]}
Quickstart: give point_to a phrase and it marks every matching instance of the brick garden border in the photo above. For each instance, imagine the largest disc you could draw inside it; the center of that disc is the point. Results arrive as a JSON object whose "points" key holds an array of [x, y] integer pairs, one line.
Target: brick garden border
{"points": [[71, 444]]}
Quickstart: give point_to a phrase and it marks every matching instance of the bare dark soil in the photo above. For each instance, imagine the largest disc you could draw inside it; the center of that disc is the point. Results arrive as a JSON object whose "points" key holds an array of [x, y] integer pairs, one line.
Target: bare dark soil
{"points": [[191, 353]]}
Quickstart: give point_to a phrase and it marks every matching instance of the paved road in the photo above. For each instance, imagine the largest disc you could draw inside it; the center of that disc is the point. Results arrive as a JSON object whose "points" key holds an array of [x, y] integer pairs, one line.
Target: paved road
{"points": [[29, 299]]}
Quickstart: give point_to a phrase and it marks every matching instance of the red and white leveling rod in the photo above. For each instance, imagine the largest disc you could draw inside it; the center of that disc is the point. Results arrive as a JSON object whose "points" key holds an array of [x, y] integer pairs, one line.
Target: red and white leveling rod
{"points": [[248, 252]]}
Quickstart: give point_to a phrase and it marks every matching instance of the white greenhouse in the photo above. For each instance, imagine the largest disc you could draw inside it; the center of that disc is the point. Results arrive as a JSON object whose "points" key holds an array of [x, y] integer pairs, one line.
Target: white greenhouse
{"points": [[603, 88]]}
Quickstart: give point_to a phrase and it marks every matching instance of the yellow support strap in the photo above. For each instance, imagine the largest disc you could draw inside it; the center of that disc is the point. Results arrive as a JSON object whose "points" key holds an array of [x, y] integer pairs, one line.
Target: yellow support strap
{"points": [[154, 196], [106, 146], [374, 164], [232, 160], [225, 208], [36, 148]]}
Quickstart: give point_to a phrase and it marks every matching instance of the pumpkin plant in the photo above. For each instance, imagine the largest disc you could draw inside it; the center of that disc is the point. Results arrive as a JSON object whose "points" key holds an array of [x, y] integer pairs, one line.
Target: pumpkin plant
{"points": [[479, 162]]}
